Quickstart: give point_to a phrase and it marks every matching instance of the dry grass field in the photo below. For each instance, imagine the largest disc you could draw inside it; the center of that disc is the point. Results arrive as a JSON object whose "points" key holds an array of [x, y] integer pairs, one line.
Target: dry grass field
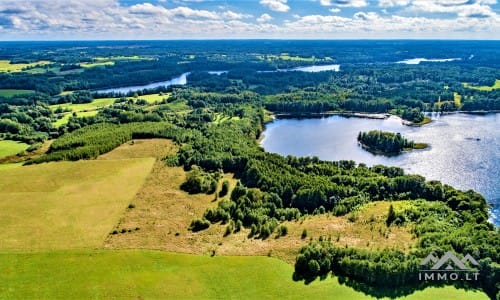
{"points": [[163, 213]]}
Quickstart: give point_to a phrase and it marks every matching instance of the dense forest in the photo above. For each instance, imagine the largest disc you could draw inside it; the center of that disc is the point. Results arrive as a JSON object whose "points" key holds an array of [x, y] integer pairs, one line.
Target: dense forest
{"points": [[216, 120], [378, 141]]}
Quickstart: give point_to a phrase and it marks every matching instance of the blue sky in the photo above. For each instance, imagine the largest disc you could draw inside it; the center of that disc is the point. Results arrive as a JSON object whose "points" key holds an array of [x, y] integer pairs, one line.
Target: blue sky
{"points": [[215, 19]]}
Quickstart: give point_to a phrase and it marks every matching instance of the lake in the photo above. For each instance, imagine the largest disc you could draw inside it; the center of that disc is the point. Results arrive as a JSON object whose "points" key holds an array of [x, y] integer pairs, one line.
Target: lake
{"points": [[181, 80], [416, 61], [464, 148]]}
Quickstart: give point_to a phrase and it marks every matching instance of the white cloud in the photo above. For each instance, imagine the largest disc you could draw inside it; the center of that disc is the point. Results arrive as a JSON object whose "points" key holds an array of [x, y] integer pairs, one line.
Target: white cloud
{"points": [[463, 8], [345, 3], [72, 19], [264, 18], [391, 3], [276, 5]]}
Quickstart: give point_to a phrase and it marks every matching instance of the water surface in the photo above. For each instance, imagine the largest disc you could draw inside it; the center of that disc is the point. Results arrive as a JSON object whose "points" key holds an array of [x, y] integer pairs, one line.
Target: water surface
{"points": [[181, 80], [416, 61], [464, 149]]}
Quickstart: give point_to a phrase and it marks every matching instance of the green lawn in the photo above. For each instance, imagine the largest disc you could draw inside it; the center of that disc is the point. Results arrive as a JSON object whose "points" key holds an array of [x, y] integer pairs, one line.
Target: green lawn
{"points": [[7, 93], [66, 205], [8, 147], [495, 86], [152, 98], [144, 274]]}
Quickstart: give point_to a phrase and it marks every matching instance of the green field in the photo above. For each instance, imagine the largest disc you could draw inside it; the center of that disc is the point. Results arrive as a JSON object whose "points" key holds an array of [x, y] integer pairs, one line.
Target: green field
{"points": [[6, 66], [143, 274], [66, 205], [7, 93], [152, 98], [495, 86], [97, 103], [65, 118], [8, 147]]}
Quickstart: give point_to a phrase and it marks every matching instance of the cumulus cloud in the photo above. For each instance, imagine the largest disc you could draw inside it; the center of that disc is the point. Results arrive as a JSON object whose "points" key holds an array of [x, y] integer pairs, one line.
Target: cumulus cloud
{"points": [[56, 19], [264, 18], [276, 5]]}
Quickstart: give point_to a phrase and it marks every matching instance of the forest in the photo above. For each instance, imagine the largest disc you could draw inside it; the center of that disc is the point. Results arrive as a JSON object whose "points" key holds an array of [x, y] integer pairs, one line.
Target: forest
{"points": [[384, 142], [216, 121]]}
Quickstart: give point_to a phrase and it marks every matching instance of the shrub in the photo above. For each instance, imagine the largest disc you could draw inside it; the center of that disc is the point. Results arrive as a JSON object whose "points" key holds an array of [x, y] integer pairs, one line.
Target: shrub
{"points": [[198, 224]]}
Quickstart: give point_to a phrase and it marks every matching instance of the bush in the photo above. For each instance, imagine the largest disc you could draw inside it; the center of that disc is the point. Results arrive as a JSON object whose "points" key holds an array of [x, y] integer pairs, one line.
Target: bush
{"points": [[198, 225], [304, 234], [225, 188]]}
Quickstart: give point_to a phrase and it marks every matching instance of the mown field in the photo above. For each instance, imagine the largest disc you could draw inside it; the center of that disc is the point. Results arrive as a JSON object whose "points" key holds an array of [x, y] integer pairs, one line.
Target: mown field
{"points": [[8, 147], [66, 205], [145, 274]]}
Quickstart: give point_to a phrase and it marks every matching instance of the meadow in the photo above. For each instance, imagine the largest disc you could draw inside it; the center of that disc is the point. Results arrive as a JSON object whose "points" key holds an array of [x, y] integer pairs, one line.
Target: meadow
{"points": [[495, 86], [66, 205], [7, 93], [146, 274], [8, 147], [6, 66]]}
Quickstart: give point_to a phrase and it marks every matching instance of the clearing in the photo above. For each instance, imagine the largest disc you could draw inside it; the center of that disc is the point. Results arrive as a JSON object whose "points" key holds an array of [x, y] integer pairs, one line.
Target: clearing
{"points": [[495, 86]]}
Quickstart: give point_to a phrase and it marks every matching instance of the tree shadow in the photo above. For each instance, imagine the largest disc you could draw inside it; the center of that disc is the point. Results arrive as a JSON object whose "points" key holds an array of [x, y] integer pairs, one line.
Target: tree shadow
{"points": [[386, 292]]}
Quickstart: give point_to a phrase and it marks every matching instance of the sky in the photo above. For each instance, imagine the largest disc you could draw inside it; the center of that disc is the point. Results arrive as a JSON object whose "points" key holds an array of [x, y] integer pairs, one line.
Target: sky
{"points": [[241, 19]]}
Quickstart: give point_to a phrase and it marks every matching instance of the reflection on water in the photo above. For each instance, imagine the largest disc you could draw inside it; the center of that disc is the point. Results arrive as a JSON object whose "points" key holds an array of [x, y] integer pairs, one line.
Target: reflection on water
{"points": [[181, 80], [463, 148]]}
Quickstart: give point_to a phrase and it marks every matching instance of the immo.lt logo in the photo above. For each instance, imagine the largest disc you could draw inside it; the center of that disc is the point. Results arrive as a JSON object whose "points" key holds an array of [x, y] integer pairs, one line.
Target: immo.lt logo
{"points": [[448, 267]]}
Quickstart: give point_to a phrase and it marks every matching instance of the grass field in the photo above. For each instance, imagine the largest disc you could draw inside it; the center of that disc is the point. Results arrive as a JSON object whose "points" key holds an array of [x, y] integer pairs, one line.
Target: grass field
{"points": [[8, 147], [143, 274], [97, 64], [495, 86], [66, 116], [152, 98], [7, 93], [6, 66], [66, 205], [97, 103]]}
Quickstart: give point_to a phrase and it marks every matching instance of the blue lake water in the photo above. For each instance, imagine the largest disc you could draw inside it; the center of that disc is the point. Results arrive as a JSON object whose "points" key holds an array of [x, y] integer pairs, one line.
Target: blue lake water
{"points": [[181, 80], [464, 149]]}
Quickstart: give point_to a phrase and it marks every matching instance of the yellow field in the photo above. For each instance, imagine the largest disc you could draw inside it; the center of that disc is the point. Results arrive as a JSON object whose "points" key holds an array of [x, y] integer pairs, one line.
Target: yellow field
{"points": [[6, 66], [66, 205], [97, 64], [495, 86], [457, 99]]}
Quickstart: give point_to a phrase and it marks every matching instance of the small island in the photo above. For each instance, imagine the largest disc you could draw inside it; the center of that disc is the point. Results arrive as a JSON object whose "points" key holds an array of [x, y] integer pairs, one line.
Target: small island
{"points": [[386, 143]]}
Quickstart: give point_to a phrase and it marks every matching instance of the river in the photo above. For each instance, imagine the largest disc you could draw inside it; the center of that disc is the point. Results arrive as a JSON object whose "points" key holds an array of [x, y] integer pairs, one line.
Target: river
{"points": [[463, 148]]}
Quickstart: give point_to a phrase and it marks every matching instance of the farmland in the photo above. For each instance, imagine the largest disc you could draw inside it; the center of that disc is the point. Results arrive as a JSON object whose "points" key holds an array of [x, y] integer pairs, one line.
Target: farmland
{"points": [[7, 66], [66, 205]]}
